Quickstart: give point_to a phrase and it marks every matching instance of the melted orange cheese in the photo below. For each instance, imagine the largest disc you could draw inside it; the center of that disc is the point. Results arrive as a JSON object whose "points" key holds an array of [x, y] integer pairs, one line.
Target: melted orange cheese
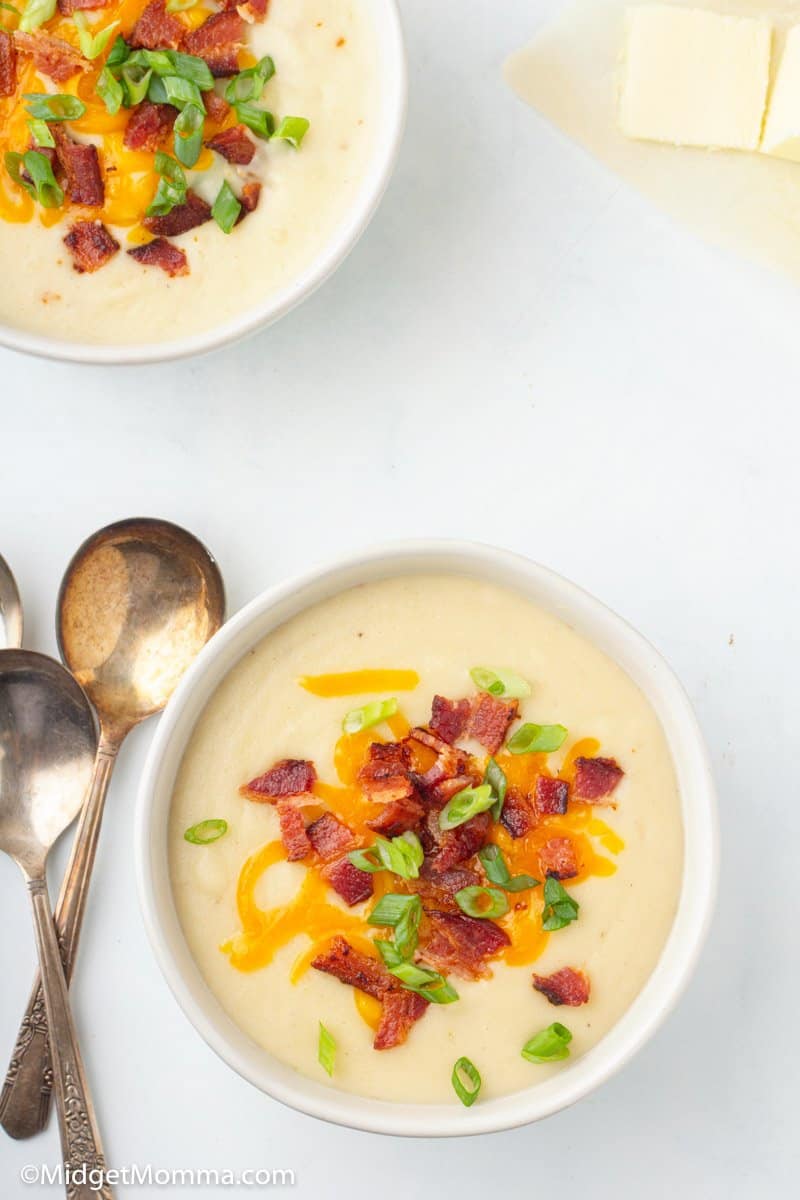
{"points": [[354, 683]]}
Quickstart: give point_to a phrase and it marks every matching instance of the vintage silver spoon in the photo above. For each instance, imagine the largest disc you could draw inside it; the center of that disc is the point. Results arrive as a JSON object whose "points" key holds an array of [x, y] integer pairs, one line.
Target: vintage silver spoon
{"points": [[48, 740], [138, 602], [10, 608]]}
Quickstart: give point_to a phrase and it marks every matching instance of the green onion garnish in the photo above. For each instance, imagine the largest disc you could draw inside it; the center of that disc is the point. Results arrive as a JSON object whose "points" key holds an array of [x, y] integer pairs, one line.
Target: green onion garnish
{"points": [[261, 122], [369, 715], [401, 913], [427, 983], [496, 778], [35, 13], [136, 82], [188, 139], [118, 52], [482, 902], [180, 91], [206, 832], [500, 683], [226, 208], [92, 45], [156, 90], [402, 856], [537, 739], [9, 7], [174, 6], [497, 870], [40, 132], [42, 183], [551, 1045], [249, 84], [466, 804], [110, 90], [157, 60], [465, 1067], [171, 189], [560, 908], [326, 1052], [59, 107], [189, 66], [292, 130]]}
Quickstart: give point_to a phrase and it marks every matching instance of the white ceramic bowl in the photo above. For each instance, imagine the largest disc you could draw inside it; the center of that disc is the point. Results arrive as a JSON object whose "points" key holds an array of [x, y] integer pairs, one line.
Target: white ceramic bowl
{"points": [[595, 622], [391, 71]]}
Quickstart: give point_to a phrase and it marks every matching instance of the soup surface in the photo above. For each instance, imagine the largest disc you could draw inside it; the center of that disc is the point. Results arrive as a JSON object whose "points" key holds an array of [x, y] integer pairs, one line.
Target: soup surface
{"points": [[255, 922]]}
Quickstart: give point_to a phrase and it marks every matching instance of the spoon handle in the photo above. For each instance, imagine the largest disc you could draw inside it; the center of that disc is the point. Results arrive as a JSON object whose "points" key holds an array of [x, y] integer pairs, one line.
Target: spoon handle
{"points": [[84, 1164], [27, 1088]]}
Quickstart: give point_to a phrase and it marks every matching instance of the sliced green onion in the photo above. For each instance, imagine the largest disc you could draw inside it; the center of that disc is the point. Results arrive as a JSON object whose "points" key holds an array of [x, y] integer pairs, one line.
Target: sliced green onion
{"points": [[482, 901], [118, 52], [259, 120], [401, 913], [560, 908], [292, 130], [466, 804], [58, 107], [497, 870], [424, 982], [40, 132], [206, 832], [174, 6], [156, 90], [402, 856], [92, 45], [250, 83], [35, 13], [110, 90], [465, 1067], [500, 683], [156, 60], [136, 82], [536, 739], [171, 190], [41, 183], [326, 1052], [190, 67], [180, 91], [226, 208], [496, 778], [188, 140], [369, 715], [551, 1045]]}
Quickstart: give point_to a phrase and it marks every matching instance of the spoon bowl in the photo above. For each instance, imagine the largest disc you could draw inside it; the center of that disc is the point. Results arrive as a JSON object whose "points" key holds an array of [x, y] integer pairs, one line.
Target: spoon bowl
{"points": [[10, 608]]}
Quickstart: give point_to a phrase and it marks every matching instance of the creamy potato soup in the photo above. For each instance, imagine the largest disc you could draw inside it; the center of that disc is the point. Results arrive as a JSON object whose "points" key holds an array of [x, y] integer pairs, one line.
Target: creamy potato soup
{"points": [[424, 822], [166, 165]]}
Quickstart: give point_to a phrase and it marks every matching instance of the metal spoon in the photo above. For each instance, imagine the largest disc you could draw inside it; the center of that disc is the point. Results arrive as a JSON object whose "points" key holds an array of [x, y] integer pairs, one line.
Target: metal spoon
{"points": [[48, 740], [137, 603], [10, 608]]}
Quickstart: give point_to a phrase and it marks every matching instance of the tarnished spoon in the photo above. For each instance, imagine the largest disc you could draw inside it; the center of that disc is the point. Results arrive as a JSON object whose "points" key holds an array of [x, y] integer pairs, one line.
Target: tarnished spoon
{"points": [[10, 608], [48, 740], [138, 601]]}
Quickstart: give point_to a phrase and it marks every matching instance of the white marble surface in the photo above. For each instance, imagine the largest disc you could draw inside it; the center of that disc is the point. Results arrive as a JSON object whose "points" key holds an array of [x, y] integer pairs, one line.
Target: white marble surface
{"points": [[522, 351]]}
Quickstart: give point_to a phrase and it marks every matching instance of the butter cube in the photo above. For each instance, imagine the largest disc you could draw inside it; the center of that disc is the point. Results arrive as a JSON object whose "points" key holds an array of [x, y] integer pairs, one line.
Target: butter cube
{"points": [[695, 78], [782, 127]]}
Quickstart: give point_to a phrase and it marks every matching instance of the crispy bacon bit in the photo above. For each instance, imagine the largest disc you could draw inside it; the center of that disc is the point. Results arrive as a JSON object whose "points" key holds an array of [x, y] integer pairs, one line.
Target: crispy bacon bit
{"points": [[233, 144], [157, 29], [81, 167], [596, 778], [517, 816], [293, 831], [251, 10], [461, 944], [68, 7], [550, 796], [217, 106], [385, 776], [459, 844], [329, 836], [217, 41], [449, 718], [149, 125], [251, 193], [161, 253], [91, 245], [52, 56], [401, 1009], [449, 761], [289, 777], [399, 816], [351, 884], [557, 858], [566, 986], [181, 218], [8, 64], [437, 889], [490, 719]]}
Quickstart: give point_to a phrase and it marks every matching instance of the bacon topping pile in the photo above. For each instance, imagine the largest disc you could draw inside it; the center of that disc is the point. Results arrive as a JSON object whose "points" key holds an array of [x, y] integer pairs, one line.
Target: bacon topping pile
{"points": [[149, 125], [461, 944], [161, 253], [52, 56], [217, 41], [8, 64], [596, 778], [91, 245], [566, 986], [289, 777], [401, 1008]]}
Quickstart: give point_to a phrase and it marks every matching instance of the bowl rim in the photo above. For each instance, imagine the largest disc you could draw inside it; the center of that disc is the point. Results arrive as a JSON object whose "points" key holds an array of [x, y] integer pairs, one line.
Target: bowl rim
{"points": [[342, 240], [684, 942]]}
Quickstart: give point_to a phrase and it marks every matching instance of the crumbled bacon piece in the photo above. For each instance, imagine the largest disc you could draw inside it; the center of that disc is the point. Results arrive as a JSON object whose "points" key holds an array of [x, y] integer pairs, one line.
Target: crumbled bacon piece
{"points": [[351, 884], [181, 218], [161, 253], [233, 144], [449, 761], [251, 194], [217, 106], [398, 816], [489, 720], [68, 7], [557, 858], [329, 836], [457, 845], [596, 778], [566, 986], [438, 795], [52, 56], [81, 167], [157, 29], [384, 777], [401, 1009], [91, 245], [517, 816], [293, 831], [8, 64], [217, 41], [437, 889], [550, 796], [461, 944], [149, 125], [289, 777], [449, 718]]}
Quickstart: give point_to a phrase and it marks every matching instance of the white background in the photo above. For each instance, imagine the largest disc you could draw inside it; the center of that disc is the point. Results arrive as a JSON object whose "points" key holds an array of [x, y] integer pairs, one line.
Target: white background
{"points": [[520, 350]]}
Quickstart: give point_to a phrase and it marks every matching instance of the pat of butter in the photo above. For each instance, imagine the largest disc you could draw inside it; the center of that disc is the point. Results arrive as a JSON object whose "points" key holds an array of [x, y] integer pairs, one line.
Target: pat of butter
{"points": [[782, 128], [695, 78]]}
